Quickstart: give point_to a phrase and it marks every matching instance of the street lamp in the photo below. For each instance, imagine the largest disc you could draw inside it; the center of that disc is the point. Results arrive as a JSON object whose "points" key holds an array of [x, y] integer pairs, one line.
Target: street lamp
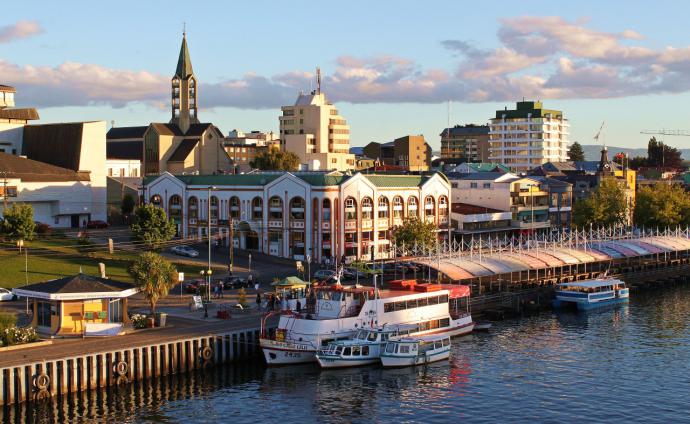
{"points": [[208, 221], [206, 274]]}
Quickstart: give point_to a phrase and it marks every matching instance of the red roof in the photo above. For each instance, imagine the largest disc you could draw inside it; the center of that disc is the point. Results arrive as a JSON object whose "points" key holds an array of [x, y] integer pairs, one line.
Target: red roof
{"points": [[467, 209]]}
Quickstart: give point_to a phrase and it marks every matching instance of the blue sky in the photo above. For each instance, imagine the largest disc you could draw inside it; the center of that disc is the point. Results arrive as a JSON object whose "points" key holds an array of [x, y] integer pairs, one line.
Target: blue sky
{"points": [[389, 66]]}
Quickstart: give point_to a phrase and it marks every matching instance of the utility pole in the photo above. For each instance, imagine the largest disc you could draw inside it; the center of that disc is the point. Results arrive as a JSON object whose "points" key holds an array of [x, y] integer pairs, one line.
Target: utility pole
{"points": [[4, 191]]}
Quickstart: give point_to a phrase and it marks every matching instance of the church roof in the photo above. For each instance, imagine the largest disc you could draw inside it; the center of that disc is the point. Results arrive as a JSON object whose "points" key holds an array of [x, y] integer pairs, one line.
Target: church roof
{"points": [[115, 133], [183, 150], [124, 150], [184, 63]]}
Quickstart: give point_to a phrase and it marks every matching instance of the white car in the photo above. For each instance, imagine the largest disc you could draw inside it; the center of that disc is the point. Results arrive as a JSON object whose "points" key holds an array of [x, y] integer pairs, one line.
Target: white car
{"points": [[324, 274], [185, 251], [6, 295]]}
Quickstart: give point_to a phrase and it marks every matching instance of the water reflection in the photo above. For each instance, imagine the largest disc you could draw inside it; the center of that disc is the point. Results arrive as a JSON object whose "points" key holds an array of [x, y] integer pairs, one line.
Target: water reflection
{"points": [[623, 363]]}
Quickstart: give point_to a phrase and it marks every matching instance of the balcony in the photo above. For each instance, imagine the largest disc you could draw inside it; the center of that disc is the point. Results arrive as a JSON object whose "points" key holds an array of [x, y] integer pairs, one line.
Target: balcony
{"points": [[382, 223], [275, 223], [526, 225], [297, 223], [326, 225], [350, 225]]}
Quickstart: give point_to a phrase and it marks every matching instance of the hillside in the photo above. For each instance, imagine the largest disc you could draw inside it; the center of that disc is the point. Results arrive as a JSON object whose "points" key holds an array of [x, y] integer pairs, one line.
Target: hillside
{"points": [[593, 151]]}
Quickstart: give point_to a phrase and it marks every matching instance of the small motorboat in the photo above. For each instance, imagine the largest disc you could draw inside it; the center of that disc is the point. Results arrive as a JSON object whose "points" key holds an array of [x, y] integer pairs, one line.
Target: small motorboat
{"points": [[482, 326], [591, 294], [410, 351]]}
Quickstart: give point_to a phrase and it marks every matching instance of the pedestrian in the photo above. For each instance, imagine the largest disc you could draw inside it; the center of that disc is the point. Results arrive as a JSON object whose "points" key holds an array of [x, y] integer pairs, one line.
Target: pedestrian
{"points": [[272, 303], [250, 281], [258, 301], [298, 305], [221, 287], [215, 291]]}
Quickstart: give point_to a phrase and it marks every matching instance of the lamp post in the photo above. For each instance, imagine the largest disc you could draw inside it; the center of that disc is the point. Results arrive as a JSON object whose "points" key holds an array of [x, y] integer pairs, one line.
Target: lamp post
{"points": [[208, 221], [206, 275]]}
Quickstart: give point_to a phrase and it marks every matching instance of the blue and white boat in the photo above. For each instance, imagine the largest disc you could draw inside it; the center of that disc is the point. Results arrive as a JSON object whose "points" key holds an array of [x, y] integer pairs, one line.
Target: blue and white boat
{"points": [[590, 294], [410, 350]]}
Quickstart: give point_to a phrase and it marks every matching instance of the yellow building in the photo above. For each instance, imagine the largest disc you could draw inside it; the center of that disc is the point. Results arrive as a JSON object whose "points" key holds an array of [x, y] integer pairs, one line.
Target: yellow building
{"points": [[65, 306], [314, 131]]}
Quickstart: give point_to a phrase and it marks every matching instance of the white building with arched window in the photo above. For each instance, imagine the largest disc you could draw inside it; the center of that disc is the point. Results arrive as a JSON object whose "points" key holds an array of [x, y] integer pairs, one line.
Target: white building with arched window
{"points": [[300, 214]]}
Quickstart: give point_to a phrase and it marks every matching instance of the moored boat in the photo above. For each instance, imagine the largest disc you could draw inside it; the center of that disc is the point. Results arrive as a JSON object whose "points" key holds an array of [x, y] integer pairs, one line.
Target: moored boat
{"points": [[415, 350], [591, 294]]}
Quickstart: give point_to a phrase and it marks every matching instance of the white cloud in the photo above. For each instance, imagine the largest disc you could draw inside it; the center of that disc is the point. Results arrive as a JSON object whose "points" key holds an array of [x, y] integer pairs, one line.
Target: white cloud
{"points": [[18, 30]]}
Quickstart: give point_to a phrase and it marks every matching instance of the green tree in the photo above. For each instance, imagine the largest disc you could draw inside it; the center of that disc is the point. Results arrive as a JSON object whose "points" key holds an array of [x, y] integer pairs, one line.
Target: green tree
{"points": [[659, 154], [575, 152], [662, 205], [154, 276], [414, 231], [152, 226], [18, 222], [275, 159], [127, 205], [605, 207], [637, 162]]}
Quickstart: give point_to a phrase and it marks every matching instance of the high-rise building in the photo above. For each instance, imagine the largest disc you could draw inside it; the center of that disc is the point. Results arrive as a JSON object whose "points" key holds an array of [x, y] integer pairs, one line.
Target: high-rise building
{"points": [[468, 142], [528, 136], [313, 129]]}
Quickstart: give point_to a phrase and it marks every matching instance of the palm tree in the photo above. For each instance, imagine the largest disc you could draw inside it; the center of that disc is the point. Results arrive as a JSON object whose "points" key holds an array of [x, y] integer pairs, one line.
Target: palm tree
{"points": [[154, 276]]}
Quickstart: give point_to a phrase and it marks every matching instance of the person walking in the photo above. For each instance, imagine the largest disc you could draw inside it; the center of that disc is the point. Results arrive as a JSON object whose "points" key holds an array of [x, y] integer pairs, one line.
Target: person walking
{"points": [[258, 302], [221, 287], [298, 306]]}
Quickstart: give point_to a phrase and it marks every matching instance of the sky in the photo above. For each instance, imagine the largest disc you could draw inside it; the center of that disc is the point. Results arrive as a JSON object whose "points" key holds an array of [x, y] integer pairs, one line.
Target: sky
{"points": [[392, 67]]}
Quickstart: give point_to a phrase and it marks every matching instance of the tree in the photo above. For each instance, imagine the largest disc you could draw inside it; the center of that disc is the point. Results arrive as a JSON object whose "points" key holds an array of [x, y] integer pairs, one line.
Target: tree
{"points": [[152, 226], [575, 153], [127, 205], [18, 222], [637, 162], [414, 231], [605, 207], [662, 205], [275, 159], [154, 276], [659, 154]]}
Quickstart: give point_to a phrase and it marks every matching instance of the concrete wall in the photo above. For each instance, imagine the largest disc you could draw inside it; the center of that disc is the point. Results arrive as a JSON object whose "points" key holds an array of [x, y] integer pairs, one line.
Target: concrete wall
{"points": [[92, 159], [11, 138]]}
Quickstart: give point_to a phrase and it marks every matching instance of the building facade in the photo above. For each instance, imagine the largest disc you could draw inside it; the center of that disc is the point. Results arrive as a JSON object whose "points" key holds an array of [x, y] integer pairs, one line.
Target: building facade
{"points": [[528, 136], [295, 215], [12, 121], [316, 133], [410, 152], [467, 142]]}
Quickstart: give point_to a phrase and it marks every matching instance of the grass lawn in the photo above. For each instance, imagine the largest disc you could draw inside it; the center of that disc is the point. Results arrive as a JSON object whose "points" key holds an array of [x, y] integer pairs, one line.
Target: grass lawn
{"points": [[60, 257]]}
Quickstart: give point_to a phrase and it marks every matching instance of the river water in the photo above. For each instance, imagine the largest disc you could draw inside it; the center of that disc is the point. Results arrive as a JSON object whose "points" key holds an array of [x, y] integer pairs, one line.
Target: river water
{"points": [[626, 364]]}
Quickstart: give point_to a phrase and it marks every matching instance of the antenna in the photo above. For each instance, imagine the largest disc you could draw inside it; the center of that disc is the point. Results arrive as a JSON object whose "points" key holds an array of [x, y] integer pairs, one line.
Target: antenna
{"points": [[318, 80], [184, 29]]}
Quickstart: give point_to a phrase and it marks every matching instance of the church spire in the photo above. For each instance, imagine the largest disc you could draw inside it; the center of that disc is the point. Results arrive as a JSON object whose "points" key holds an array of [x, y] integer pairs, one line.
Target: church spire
{"points": [[184, 63]]}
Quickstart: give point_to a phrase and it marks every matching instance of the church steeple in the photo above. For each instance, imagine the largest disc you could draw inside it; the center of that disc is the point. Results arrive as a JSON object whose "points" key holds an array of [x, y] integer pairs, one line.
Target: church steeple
{"points": [[604, 163], [184, 90]]}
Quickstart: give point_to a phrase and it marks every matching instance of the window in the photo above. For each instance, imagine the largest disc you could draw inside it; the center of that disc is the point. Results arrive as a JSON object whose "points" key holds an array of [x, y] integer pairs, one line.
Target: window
{"points": [[257, 208], [486, 185], [365, 350], [404, 349], [347, 351], [193, 208], [412, 207], [156, 200], [297, 208], [429, 206], [326, 209], [43, 314], [383, 207], [214, 207], [276, 208], [235, 207], [367, 208], [398, 207], [350, 209], [474, 185], [175, 207]]}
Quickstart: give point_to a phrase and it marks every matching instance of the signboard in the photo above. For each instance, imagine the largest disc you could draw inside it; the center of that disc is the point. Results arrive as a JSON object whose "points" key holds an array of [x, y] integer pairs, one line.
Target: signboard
{"points": [[180, 277], [299, 266], [198, 304]]}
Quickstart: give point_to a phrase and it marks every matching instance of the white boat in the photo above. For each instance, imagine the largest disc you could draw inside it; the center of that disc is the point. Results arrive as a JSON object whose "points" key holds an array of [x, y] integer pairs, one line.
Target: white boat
{"points": [[364, 349], [590, 294], [408, 351], [338, 313]]}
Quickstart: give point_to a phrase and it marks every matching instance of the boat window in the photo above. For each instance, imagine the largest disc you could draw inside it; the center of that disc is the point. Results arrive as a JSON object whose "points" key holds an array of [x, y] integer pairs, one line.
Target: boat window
{"points": [[446, 342], [437, 344], [433, 324], [372, 336], [445, 322], [443, 298], [365, 350], [412, 303], [346, 352], [390, 347], [433, 300], [404, 349], [414, 348], [388, 307], [399, 306], [361, 335], [422, 302], [355, 351], [423, 326], [384, 337], [324, 342], [339, 350]]}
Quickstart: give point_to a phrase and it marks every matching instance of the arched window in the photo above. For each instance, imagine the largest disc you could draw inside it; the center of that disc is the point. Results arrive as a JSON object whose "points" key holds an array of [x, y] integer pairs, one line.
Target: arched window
{"points": [[297, 208], [350, 209], [398, 207], [156, 200], [235, 207], [275, 205], [443, 206], [383, 207], [193, 208], [412, 207], [214, 207], [367, 208], [175, 207], [257, 208], [326, 210], [429, 206]]}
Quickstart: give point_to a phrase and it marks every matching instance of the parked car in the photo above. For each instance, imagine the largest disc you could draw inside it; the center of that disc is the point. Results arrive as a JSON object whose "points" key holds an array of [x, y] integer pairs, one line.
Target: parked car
{"points": [[324, 274], [185, 251], [6, 295], [97, 224], [231, 283], [353, 274], [194, 285], [366, 268]]}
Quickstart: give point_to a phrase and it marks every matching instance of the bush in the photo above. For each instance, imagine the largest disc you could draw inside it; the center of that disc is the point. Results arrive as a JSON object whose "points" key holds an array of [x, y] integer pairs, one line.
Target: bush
{"points": [[7, 320], [18, 335], [138, 321], [43, 229]]}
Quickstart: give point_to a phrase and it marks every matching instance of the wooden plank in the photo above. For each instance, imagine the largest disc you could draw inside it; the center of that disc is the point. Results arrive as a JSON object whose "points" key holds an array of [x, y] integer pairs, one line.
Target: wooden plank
{"points": [[21, 384]]}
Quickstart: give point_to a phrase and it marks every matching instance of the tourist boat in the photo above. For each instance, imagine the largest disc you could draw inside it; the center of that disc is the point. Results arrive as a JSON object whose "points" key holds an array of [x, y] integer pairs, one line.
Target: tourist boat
{"points": [[408, 351], [363, 349], [337, 313], [590, 294]]}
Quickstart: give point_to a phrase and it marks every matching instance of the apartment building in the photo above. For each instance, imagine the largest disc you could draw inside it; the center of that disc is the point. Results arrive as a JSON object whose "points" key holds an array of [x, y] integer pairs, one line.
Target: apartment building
{"points": [[314, 131], [528, 136], [467, 142], [410, 152]]}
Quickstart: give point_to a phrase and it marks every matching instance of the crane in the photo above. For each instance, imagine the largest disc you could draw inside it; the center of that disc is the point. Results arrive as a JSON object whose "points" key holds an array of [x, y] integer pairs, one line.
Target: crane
{"points": [[596, 137], [682, 133]]}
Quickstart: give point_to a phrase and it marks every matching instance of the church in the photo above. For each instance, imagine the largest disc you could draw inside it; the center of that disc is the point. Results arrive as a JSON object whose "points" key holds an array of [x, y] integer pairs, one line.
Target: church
{"points": [[184, 145]]}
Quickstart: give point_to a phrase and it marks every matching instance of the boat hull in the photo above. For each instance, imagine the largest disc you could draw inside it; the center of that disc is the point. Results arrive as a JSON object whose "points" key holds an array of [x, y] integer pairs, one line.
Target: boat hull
{"points": [[394, 361], [284, 353], [337, 362]]}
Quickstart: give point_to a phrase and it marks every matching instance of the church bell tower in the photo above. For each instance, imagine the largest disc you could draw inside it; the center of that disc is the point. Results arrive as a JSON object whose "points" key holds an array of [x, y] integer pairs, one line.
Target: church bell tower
{"points": [[184, 91]]}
